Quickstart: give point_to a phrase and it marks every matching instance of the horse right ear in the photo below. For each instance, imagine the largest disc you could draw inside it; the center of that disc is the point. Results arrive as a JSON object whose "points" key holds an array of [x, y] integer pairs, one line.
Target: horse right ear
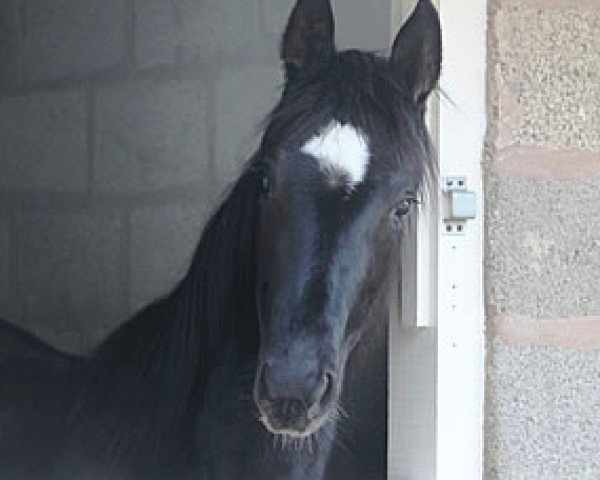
{"points": [[308, 40]]}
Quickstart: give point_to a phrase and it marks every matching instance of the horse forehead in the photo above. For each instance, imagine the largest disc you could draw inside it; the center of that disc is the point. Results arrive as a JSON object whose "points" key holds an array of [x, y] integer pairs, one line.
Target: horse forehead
{"points": [[342, 152]]}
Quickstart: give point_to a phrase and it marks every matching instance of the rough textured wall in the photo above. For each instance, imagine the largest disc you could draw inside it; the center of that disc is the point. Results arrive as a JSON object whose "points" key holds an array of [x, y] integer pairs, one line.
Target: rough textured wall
{"points": [[543, 241], [121, 122]]}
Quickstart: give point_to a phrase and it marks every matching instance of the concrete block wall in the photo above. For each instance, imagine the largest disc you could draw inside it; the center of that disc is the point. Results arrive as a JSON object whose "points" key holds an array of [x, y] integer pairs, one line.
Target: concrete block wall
{"points": [[542, 166], [121, 122]]}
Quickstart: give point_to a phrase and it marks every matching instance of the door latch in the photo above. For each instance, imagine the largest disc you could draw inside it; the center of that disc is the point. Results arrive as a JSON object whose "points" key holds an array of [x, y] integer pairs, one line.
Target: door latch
{"points": [[459, 205]]}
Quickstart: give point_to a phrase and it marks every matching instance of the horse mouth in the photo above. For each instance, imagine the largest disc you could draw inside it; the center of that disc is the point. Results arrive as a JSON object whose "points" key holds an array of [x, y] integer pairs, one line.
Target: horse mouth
{"points": [[300, 426]]}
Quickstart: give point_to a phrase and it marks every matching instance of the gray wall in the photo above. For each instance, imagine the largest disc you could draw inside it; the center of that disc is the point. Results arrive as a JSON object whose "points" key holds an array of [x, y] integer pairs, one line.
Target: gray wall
{"points": [[121, 121]]}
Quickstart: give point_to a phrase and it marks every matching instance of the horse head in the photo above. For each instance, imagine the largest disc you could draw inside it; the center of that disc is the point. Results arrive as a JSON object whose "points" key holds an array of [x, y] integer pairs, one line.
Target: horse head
{"points": [[341, 161]]}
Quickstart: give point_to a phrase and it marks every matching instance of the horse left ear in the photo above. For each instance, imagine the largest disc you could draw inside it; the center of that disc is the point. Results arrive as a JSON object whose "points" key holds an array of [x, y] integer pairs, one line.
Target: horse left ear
{"points": [[417, 51], [308, 40]]}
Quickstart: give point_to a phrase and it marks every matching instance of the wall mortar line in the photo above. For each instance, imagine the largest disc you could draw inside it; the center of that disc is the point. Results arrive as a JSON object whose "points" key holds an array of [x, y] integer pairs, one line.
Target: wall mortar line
{"points": [[91, 137], [14, 262], [125, 263], [130, 57]]}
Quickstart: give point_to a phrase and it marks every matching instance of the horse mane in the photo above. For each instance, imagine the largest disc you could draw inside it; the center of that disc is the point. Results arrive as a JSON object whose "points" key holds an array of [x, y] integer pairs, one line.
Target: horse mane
{"points": [[145, 382]]}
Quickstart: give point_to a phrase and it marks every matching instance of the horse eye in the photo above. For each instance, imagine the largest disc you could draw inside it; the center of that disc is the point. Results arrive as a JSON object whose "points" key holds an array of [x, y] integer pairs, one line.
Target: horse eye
{"points": [[403, 208]]}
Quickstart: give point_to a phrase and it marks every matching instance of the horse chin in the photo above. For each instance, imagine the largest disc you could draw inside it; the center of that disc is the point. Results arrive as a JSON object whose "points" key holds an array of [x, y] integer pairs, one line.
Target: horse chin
{"points": [[310, 429]]}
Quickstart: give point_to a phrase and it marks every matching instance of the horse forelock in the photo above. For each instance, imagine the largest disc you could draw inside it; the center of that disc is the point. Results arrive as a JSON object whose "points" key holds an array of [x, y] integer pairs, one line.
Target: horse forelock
{"points": [[357, 93]]}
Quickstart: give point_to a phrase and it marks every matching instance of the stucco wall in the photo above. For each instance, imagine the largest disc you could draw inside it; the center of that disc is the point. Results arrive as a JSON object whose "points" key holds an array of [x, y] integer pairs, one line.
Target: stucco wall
{"points": [[542, 167], [121, 122]]}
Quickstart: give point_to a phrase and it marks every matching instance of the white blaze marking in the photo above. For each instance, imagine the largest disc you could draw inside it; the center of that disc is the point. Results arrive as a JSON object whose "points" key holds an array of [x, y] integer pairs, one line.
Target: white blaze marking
{"points": [[340, 149]]}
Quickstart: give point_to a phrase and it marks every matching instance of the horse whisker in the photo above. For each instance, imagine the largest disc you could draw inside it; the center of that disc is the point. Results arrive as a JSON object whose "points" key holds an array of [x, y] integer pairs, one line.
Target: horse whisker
{"points": [[342, 410]]}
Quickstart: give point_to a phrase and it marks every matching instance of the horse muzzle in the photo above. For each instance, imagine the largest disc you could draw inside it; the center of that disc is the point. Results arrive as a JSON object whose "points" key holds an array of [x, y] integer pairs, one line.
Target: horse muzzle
{"points": [[293, 401]]}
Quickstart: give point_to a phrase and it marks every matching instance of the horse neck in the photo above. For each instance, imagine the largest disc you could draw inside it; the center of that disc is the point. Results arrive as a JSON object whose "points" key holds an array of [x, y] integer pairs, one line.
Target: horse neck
{"points": [[142, 382], [213, 303]]}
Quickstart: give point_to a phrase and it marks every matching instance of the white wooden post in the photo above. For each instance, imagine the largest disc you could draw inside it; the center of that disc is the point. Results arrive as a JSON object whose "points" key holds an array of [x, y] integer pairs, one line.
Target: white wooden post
{"points": [[460, 348], [437, 356]]}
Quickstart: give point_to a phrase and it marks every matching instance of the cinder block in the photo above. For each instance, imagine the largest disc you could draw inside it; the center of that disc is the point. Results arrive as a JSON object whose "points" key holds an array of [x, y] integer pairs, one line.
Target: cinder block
{"points": [[162, 244], [43, 143], [151, 136], [71, 37], [187, 29], [276, 14], [363, 25], [542, 414], [243, 99], [9, 42], [543, 247], [359, 24], [547, 72], [69, 277]]}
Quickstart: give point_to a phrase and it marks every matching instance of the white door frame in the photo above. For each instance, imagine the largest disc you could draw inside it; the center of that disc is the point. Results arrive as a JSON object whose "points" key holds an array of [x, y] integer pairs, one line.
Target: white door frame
{"points": [[437, 356]]}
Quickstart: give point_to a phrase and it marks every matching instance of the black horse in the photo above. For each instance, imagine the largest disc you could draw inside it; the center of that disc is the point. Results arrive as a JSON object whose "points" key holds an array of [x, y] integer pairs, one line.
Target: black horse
{"points": [[268, 359]]}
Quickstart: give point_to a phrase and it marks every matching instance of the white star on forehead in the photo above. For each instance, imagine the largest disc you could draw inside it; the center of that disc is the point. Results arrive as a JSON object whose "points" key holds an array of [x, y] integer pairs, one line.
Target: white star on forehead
{"points": [[340, 149]]}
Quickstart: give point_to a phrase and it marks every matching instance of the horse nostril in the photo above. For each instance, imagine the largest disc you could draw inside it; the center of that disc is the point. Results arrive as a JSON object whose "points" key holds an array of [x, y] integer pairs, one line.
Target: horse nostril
{"points": [[277, 382]]}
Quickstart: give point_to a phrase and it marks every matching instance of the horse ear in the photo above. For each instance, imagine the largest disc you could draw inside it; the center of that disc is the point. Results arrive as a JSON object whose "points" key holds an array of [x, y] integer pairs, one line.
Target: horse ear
{"points": [[417, 51], [308, 40]]}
